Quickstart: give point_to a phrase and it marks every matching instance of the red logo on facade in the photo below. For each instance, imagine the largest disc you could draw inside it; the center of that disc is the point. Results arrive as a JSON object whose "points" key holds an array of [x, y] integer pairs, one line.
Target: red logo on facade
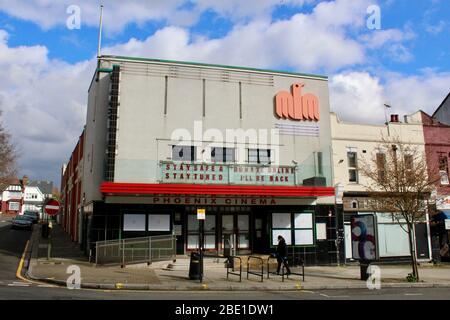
{"points": [[296, 106]]}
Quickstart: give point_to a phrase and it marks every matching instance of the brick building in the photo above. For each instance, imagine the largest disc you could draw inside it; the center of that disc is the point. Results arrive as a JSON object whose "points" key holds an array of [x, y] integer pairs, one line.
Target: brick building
{"points": [[437, 148], [71, 197]]}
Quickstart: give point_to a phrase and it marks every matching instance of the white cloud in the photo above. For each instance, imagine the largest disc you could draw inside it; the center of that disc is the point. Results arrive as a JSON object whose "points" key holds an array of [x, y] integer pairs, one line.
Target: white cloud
{"points": [[390, 43], [262, 43], [43, 103], [357, 96], [378, 38], [360, 96], [48, 14], [117, 13], [424, 91], [436, 28], [237, 9]]}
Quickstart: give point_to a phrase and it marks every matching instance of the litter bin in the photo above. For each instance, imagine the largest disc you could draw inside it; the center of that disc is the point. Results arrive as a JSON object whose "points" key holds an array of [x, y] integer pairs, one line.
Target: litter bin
{"points": [[194, 266], [44, 231], [364, 266]]}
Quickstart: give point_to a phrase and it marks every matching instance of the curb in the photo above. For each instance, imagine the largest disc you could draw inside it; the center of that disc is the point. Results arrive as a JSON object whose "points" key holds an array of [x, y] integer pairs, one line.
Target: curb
{"points": [[212, 287]]}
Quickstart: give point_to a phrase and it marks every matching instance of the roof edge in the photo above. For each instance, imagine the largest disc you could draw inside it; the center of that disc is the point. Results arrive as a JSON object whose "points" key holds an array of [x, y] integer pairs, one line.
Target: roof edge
{"points": [[440, 106], [216, 66]]}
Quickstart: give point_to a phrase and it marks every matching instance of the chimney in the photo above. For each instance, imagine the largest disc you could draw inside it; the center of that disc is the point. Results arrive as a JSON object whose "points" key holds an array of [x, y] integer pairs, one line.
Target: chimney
{"points": [[394, 118], [25, 181]]}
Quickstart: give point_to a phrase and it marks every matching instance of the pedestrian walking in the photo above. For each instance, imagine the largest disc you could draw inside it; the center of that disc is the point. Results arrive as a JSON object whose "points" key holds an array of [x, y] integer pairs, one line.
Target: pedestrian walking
{"points": [[282, 255]]}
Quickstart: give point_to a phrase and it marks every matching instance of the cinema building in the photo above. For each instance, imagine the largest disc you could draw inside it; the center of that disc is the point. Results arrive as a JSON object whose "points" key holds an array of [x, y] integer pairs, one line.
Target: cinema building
{"points": [[252, 147]]}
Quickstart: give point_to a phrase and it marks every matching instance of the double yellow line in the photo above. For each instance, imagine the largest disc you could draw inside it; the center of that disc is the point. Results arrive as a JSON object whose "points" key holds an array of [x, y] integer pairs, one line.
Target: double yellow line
{"points": [[19, 268]]}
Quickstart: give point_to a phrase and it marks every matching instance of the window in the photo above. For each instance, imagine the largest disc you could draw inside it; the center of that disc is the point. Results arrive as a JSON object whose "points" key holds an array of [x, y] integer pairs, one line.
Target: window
{"points": [[222, 154], [409, 164], [304, 234], [134, 222], [381, 165], [443, 168], [183, 153], [260, 156], [296, 228], [352, 158], [158, 222], [319, 163], [14, 206]]}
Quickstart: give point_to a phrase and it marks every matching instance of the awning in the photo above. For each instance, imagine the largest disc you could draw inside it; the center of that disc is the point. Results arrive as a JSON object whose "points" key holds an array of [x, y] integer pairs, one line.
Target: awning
{"points": [[111, 188]]}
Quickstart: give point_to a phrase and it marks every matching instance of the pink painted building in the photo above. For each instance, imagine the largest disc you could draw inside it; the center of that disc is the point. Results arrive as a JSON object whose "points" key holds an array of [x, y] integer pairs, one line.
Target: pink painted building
{"points": [[437, 149]]}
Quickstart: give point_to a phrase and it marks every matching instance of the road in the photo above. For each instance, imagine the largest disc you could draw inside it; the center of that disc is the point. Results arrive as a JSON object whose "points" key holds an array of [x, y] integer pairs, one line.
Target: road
{"points": [[12, 243]]}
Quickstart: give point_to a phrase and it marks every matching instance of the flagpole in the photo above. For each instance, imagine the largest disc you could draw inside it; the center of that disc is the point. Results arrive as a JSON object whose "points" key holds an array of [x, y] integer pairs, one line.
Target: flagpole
{"points": [[100, 32]]}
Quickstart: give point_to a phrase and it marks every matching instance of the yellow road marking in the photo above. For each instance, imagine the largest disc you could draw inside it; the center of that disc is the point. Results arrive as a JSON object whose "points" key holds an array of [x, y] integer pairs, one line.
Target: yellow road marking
{"points": [[19, 268], [119, 285]]}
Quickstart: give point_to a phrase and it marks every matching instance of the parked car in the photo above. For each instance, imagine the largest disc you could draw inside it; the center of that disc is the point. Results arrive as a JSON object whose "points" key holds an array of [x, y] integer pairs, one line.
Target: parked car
{"points": [[34, 215], [22, 222]]}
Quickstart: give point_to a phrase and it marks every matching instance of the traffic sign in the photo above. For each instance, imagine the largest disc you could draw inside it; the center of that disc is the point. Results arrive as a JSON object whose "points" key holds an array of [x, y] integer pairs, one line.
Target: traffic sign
{"points": [[52, 207], [201, 214]]}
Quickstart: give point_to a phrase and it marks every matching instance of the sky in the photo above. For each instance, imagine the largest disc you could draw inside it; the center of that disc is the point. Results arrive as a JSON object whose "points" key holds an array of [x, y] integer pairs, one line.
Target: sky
{"points": [[373, 51]]}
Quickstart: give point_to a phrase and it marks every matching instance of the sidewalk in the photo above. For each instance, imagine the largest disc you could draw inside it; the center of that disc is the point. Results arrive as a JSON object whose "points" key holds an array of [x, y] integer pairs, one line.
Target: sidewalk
{"points": [[159, 277]]}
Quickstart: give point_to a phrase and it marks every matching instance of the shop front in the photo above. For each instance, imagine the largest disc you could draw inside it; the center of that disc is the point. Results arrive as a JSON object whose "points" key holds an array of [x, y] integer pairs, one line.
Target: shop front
{"points": [[393, 240], [440, 228], [245, 221]]}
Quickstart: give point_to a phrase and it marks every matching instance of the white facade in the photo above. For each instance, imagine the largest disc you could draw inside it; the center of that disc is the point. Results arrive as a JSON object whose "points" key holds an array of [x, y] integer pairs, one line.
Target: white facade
{"points": [[158, 99], [365, 140], [33, 199], [250, 145], [352, 142]]}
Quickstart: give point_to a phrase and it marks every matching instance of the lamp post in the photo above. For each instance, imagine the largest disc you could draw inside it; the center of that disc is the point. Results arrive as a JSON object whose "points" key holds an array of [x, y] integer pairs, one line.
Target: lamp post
{"points": [[386, 106]]}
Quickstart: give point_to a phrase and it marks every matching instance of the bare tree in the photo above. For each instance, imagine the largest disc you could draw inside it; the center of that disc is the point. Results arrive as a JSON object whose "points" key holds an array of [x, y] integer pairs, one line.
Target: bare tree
{"points": [[398, 182], [8, 157]]}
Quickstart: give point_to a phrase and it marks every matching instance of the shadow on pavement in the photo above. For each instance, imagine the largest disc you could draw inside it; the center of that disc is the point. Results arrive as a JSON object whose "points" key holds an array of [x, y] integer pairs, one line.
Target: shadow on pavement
{"points": [[12, 241]]}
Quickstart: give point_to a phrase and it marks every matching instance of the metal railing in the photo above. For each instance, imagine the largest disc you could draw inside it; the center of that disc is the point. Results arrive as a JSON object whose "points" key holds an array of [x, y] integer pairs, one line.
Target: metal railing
{"points": [[255, 272], [136, 250], [231, 265]]}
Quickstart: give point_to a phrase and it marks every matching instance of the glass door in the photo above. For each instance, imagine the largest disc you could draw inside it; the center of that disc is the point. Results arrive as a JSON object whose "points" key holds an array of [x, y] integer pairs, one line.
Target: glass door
{"points": [[243, 232], [193, 232], [210, 232], [227, 231]]}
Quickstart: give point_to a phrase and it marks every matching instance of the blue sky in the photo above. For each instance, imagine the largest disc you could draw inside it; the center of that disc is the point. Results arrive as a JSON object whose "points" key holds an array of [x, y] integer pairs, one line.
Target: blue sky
{"points": [[48, 67]]}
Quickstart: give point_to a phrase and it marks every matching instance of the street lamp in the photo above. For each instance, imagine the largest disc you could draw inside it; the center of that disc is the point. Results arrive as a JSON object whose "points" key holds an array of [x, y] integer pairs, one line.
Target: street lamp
{"points": [[386, 106]]}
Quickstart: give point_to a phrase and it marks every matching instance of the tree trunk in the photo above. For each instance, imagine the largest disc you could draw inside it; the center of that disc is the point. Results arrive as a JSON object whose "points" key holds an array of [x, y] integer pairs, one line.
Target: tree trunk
{"points": [[412, 246]]}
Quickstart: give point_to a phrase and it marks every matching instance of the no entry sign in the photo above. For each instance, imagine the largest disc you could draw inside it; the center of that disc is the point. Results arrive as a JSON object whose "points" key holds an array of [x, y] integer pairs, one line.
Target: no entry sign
{"points": [[52, 207]]}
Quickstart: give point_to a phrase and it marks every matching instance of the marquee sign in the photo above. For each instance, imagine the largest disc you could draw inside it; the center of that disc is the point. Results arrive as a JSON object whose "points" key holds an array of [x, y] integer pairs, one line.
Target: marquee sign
{"points": [[227, 174], [296, 106], [212, 201]]}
